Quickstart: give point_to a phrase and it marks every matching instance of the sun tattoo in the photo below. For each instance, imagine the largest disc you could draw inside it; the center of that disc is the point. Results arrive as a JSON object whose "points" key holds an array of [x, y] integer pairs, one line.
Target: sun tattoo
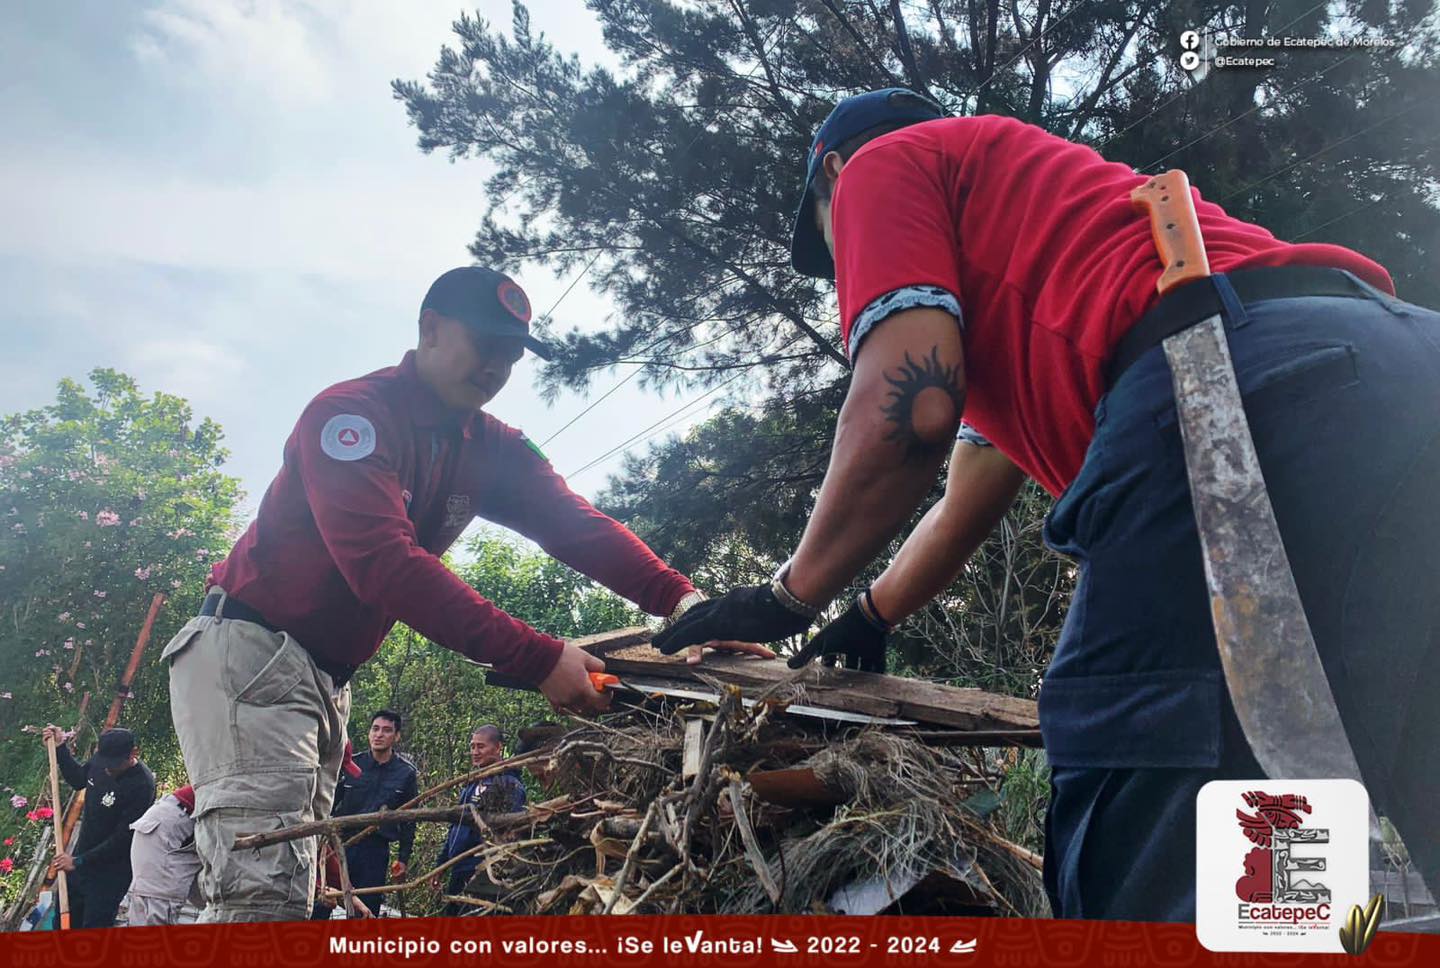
{"points": [[913, 380]]}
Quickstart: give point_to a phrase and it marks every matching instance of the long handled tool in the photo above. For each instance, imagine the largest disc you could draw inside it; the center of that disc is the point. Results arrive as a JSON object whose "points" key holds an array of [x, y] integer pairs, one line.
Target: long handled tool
{"points": [[60, 884], [1272, 668]]}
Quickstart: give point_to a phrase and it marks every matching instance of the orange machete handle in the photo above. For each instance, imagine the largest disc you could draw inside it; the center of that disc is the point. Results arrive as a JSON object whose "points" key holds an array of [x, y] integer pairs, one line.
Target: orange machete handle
{"points": [[600, 680], [1174, 226]]}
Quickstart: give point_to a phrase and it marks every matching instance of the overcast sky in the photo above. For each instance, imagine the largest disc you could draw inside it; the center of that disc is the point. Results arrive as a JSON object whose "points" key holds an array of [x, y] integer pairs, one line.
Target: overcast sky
{"points": [[221, 198]]}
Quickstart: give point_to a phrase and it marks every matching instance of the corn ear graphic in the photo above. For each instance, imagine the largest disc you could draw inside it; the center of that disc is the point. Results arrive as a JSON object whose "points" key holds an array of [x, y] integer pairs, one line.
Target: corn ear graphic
{"points": [[1361, 925], [1351, 929], [1374, 911]]}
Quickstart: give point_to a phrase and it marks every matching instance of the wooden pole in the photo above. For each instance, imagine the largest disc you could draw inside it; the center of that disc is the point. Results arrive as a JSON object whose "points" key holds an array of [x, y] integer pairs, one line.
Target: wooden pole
{"points": [[122, 691], [59, 843]]}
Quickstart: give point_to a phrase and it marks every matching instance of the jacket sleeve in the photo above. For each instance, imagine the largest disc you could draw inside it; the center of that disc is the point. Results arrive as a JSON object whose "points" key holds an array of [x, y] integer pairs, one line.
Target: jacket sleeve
{"points": [[137, 799], [531, 498], [408, 792], [348, 452], [516, 801], [74, 773]]}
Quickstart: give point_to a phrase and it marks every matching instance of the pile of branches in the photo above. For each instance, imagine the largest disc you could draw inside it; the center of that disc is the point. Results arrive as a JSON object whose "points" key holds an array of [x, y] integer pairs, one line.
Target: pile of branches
{"points": [[880, 822], [847, 819]]}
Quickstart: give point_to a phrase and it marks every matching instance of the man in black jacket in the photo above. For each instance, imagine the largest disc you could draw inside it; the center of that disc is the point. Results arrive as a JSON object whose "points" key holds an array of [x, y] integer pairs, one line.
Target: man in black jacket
{"points": [[387, 780], [118, 790]]}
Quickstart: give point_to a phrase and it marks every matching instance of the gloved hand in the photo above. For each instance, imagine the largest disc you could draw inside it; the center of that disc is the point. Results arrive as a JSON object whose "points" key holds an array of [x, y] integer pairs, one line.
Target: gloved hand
{"points": [[852, 637], [751, 614]]}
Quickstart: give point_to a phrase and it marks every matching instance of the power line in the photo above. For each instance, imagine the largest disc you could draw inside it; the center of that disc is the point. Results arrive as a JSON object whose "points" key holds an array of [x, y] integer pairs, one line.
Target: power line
{"points": [[766, 48], [1310, 157], [1251, 110], [598, 400], [1311, 231], [1181, 93], [635, 438]]}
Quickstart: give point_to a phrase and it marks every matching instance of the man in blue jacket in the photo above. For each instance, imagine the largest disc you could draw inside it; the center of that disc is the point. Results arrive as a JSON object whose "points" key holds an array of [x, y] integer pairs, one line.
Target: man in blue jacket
{"points": [[504, 793]]}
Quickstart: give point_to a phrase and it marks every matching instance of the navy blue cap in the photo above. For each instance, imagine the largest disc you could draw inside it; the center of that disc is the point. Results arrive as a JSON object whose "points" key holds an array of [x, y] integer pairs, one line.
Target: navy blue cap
{"points": [[487, 301], [114, 749], [853, 116]]}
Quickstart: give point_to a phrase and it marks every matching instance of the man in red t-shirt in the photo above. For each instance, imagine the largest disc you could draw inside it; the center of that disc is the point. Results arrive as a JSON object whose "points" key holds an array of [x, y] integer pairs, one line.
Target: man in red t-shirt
{"points": [[985, 267], [380, 476]]}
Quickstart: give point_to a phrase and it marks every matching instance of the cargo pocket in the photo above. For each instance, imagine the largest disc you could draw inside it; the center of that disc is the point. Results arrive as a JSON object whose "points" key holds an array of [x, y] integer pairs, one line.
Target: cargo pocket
{"points": [[1166, 718], [272, 881], [261, 667], [182, 639]]}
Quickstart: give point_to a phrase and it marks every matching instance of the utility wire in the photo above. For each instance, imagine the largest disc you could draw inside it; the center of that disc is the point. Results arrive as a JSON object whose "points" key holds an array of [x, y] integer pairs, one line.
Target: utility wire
{"points": [[625, 444], [1183, 91], [1312, 156]]}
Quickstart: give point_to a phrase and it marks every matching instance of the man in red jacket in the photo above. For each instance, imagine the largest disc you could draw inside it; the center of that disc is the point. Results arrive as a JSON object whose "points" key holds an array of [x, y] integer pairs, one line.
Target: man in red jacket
{"points": [[990, 269], [380, 476]]}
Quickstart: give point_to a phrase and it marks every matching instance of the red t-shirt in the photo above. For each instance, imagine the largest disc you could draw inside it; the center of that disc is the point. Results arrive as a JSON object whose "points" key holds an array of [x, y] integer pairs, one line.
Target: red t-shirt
{"points": [[1036, 239], [379, 479]]}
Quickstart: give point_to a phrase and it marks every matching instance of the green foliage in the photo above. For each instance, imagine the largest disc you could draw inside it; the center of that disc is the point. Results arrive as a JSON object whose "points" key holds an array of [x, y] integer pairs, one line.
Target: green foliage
{"points": [[1024, 794], [107, 497]]}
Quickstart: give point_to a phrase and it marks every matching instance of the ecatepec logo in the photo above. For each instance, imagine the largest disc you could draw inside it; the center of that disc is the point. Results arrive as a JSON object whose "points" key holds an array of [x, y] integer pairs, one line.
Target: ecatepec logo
{"points": [[1279, 863], [1273, 868]]}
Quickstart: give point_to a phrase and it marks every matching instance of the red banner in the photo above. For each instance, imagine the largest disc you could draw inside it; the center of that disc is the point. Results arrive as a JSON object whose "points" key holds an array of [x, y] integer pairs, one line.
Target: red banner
{"points": [[669, 941]]}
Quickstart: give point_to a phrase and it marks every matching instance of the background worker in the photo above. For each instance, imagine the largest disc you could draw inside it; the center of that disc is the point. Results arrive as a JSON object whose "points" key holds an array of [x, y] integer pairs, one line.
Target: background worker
{"points": [[164, 866], [387, 780], [503, 793], [118, 789], [380, 476], [988, 268]]}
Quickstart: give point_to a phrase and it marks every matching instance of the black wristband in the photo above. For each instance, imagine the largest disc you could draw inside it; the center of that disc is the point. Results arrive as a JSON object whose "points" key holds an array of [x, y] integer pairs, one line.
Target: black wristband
{"points": [[866, 606]]}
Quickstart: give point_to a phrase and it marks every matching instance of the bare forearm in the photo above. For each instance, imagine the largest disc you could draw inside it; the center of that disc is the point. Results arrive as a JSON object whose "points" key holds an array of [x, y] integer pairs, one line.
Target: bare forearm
{"points": [[895, 428], [981, 487]]}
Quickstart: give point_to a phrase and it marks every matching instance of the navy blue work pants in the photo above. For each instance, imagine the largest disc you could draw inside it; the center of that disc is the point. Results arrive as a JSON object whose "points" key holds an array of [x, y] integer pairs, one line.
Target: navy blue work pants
{"points": [[368, 863], [1343, 398]]}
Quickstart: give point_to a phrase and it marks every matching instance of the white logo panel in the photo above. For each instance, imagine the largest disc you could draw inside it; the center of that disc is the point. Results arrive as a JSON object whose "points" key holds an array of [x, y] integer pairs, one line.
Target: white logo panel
{"points": [[1279, 863], [348, 436]]}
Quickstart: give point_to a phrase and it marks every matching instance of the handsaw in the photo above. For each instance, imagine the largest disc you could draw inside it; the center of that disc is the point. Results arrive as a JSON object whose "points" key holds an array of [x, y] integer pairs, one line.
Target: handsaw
{"points": [[1272, 667], [605, 680]]}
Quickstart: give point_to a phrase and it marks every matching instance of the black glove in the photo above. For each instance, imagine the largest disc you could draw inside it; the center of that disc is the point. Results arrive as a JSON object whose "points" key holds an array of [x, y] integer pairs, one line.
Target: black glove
{"points": [[853, 637], [750, 614]]}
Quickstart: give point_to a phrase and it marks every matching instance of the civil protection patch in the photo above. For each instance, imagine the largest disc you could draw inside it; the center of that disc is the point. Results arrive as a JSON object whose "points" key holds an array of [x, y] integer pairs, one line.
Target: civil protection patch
{"points": [[513, 298], [348, 436]]}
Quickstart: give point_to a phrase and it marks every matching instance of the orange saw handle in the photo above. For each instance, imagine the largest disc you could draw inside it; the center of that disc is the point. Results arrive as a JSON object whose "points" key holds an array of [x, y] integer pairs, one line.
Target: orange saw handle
{"points": [[603, 680], [1174, 226]]}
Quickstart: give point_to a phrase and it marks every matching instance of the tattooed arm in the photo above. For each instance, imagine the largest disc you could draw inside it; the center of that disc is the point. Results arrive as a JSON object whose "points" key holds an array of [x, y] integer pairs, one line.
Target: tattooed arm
{"points": [[896, 427]]}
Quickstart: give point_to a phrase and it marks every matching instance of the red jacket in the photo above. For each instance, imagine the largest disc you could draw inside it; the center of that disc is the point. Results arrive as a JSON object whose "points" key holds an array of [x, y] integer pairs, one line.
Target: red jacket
{"points": [[379, 479]]}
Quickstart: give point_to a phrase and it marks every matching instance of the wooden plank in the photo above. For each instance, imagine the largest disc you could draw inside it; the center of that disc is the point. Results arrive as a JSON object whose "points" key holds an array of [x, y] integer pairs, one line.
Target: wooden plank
{"points": [[694, 747], [869, 693]]}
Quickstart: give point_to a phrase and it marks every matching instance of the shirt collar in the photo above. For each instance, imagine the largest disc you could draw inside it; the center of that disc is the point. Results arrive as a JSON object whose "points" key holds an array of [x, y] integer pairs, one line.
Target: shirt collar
{"points": [[426, 408]]}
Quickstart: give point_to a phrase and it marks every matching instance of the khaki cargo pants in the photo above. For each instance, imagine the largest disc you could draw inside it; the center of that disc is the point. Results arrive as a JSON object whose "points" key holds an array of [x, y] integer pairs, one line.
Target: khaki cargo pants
{"points": [[262, 730]]}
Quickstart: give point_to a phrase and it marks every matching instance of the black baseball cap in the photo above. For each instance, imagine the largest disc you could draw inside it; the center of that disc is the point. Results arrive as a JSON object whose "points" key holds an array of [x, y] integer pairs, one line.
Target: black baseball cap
{"points": [[851, 117], [114, 749], [487, 301]]}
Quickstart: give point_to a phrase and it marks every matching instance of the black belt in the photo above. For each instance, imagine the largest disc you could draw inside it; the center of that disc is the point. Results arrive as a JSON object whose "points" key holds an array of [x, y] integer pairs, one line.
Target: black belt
{"points": [[1197, 301], [239, 611]]}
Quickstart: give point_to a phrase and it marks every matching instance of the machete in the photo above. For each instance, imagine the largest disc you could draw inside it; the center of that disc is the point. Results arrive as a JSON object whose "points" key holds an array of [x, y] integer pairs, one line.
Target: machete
{"points": [[1272, 668]]}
